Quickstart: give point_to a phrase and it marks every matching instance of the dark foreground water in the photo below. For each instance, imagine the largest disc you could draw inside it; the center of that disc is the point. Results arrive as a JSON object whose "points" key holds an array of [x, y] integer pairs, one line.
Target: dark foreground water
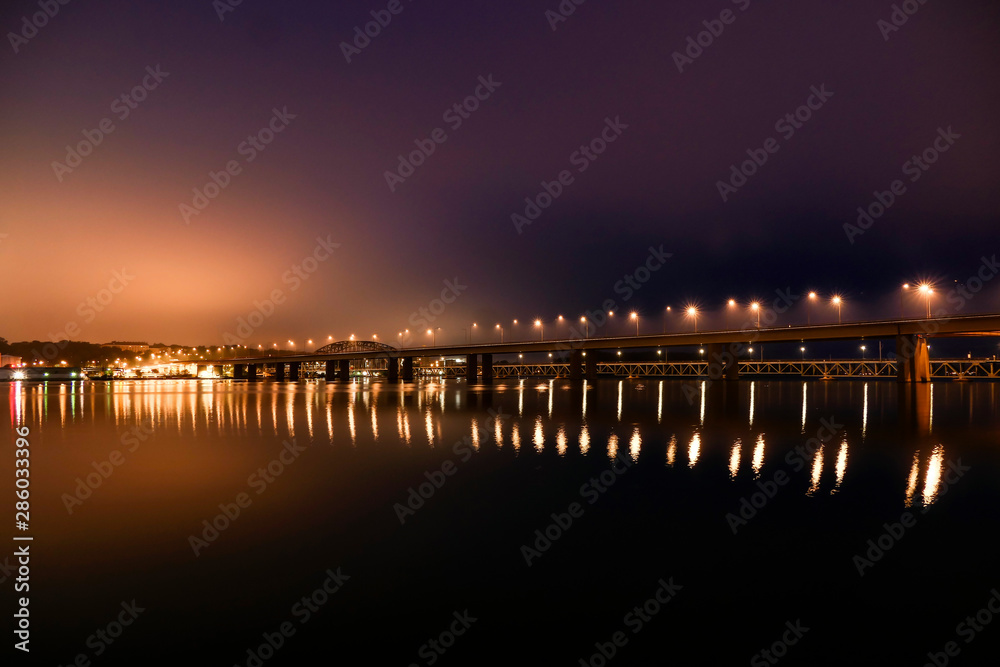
{"points": [[840, 523]]}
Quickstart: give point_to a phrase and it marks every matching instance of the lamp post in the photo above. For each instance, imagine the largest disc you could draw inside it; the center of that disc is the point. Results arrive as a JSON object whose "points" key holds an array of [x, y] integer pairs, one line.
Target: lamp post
{"points": [[863, 348], [635, 316], [812, 298], [433, 333], [693, 314], [665, 319], [501, 332], [926, 290], [838, 302], [755, 307], [586, 327], [902, 290], [541, 327]]}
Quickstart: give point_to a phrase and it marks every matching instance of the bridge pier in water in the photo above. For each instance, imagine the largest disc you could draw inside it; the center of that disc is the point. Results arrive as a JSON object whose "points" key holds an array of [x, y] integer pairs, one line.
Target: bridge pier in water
{"points": [[294, 371], [576, 365], [239, 371], [472, 368], [345, 370], [487, 368], [407, 369], [913, 362], [591, 366], [331, 370], [251, 372], [721, 363], [392, 369], [279, 372]]}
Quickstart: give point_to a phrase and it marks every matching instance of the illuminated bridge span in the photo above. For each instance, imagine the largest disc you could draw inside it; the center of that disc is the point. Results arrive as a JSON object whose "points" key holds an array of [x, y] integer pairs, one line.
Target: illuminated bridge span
{"points": [[723, 349], [944, 368]]}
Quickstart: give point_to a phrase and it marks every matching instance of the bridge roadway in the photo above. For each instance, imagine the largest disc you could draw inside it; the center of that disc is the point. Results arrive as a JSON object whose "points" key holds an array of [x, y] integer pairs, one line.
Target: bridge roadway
{"points": [[724, 347]]}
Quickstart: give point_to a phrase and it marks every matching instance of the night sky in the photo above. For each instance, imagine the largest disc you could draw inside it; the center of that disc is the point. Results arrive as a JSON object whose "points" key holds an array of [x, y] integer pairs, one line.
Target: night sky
{"points": [[212, 83]]}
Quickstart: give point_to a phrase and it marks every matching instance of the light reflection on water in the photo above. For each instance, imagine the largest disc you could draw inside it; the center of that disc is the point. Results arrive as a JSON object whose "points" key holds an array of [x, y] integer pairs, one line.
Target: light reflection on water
{"points": [[714, 426]]}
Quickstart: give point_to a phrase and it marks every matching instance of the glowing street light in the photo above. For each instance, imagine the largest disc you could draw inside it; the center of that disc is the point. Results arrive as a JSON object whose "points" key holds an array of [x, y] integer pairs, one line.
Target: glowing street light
{"points": [[812, 299], [863, 348], [586, 327], [692, 312], [538, 323], [635, 316], [803, 351], [927, 291], [838, 302], [902, 290], [433, 334], [501, 332], [665, 319], [755, 307]]}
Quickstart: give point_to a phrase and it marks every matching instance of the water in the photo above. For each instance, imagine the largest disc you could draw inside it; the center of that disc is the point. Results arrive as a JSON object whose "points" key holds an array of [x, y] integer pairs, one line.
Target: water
{"points": [[659, 473]]}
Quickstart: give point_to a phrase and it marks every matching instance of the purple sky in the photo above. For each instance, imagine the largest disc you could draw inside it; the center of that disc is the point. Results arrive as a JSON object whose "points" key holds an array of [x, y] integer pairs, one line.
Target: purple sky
{"points": [[66, 230]]}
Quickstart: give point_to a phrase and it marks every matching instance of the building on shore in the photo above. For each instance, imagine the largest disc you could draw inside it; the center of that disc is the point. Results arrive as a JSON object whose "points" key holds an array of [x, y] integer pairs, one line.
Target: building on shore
{"points": [[137, 347], [9, 360]]}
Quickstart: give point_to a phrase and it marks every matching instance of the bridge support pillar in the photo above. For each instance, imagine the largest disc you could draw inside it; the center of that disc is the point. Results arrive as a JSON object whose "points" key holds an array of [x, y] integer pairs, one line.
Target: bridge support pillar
{"points": [[913, 362], [407, 369], [279, 372], [591, 366], [345, 370], [576, 365], [721, 363], [392, 369], [331, 371], [294, 371], [487, 368], [239, 371], [251, 372], [218, 371], [472, 368]]}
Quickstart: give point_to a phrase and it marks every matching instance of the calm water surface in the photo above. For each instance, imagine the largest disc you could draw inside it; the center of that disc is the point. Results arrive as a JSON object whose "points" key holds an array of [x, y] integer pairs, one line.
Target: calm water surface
{"points": [[747, 509]]}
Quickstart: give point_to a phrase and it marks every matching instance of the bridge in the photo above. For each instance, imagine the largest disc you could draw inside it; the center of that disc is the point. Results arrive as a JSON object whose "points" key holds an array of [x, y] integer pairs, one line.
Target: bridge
{"points": [[722, 359]]}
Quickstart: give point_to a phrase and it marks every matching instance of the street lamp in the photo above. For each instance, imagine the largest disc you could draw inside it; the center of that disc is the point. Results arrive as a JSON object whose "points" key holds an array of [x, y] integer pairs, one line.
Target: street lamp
{"points": [[538, 323], [693, 314], [501, 332], [838, 302], [433, 333], [926, 290], [803, 351], [586, 327], [665, 319], [812, 299], [635, 316], [863, 348], [474, 325], [902, 290], [755, 307]]}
